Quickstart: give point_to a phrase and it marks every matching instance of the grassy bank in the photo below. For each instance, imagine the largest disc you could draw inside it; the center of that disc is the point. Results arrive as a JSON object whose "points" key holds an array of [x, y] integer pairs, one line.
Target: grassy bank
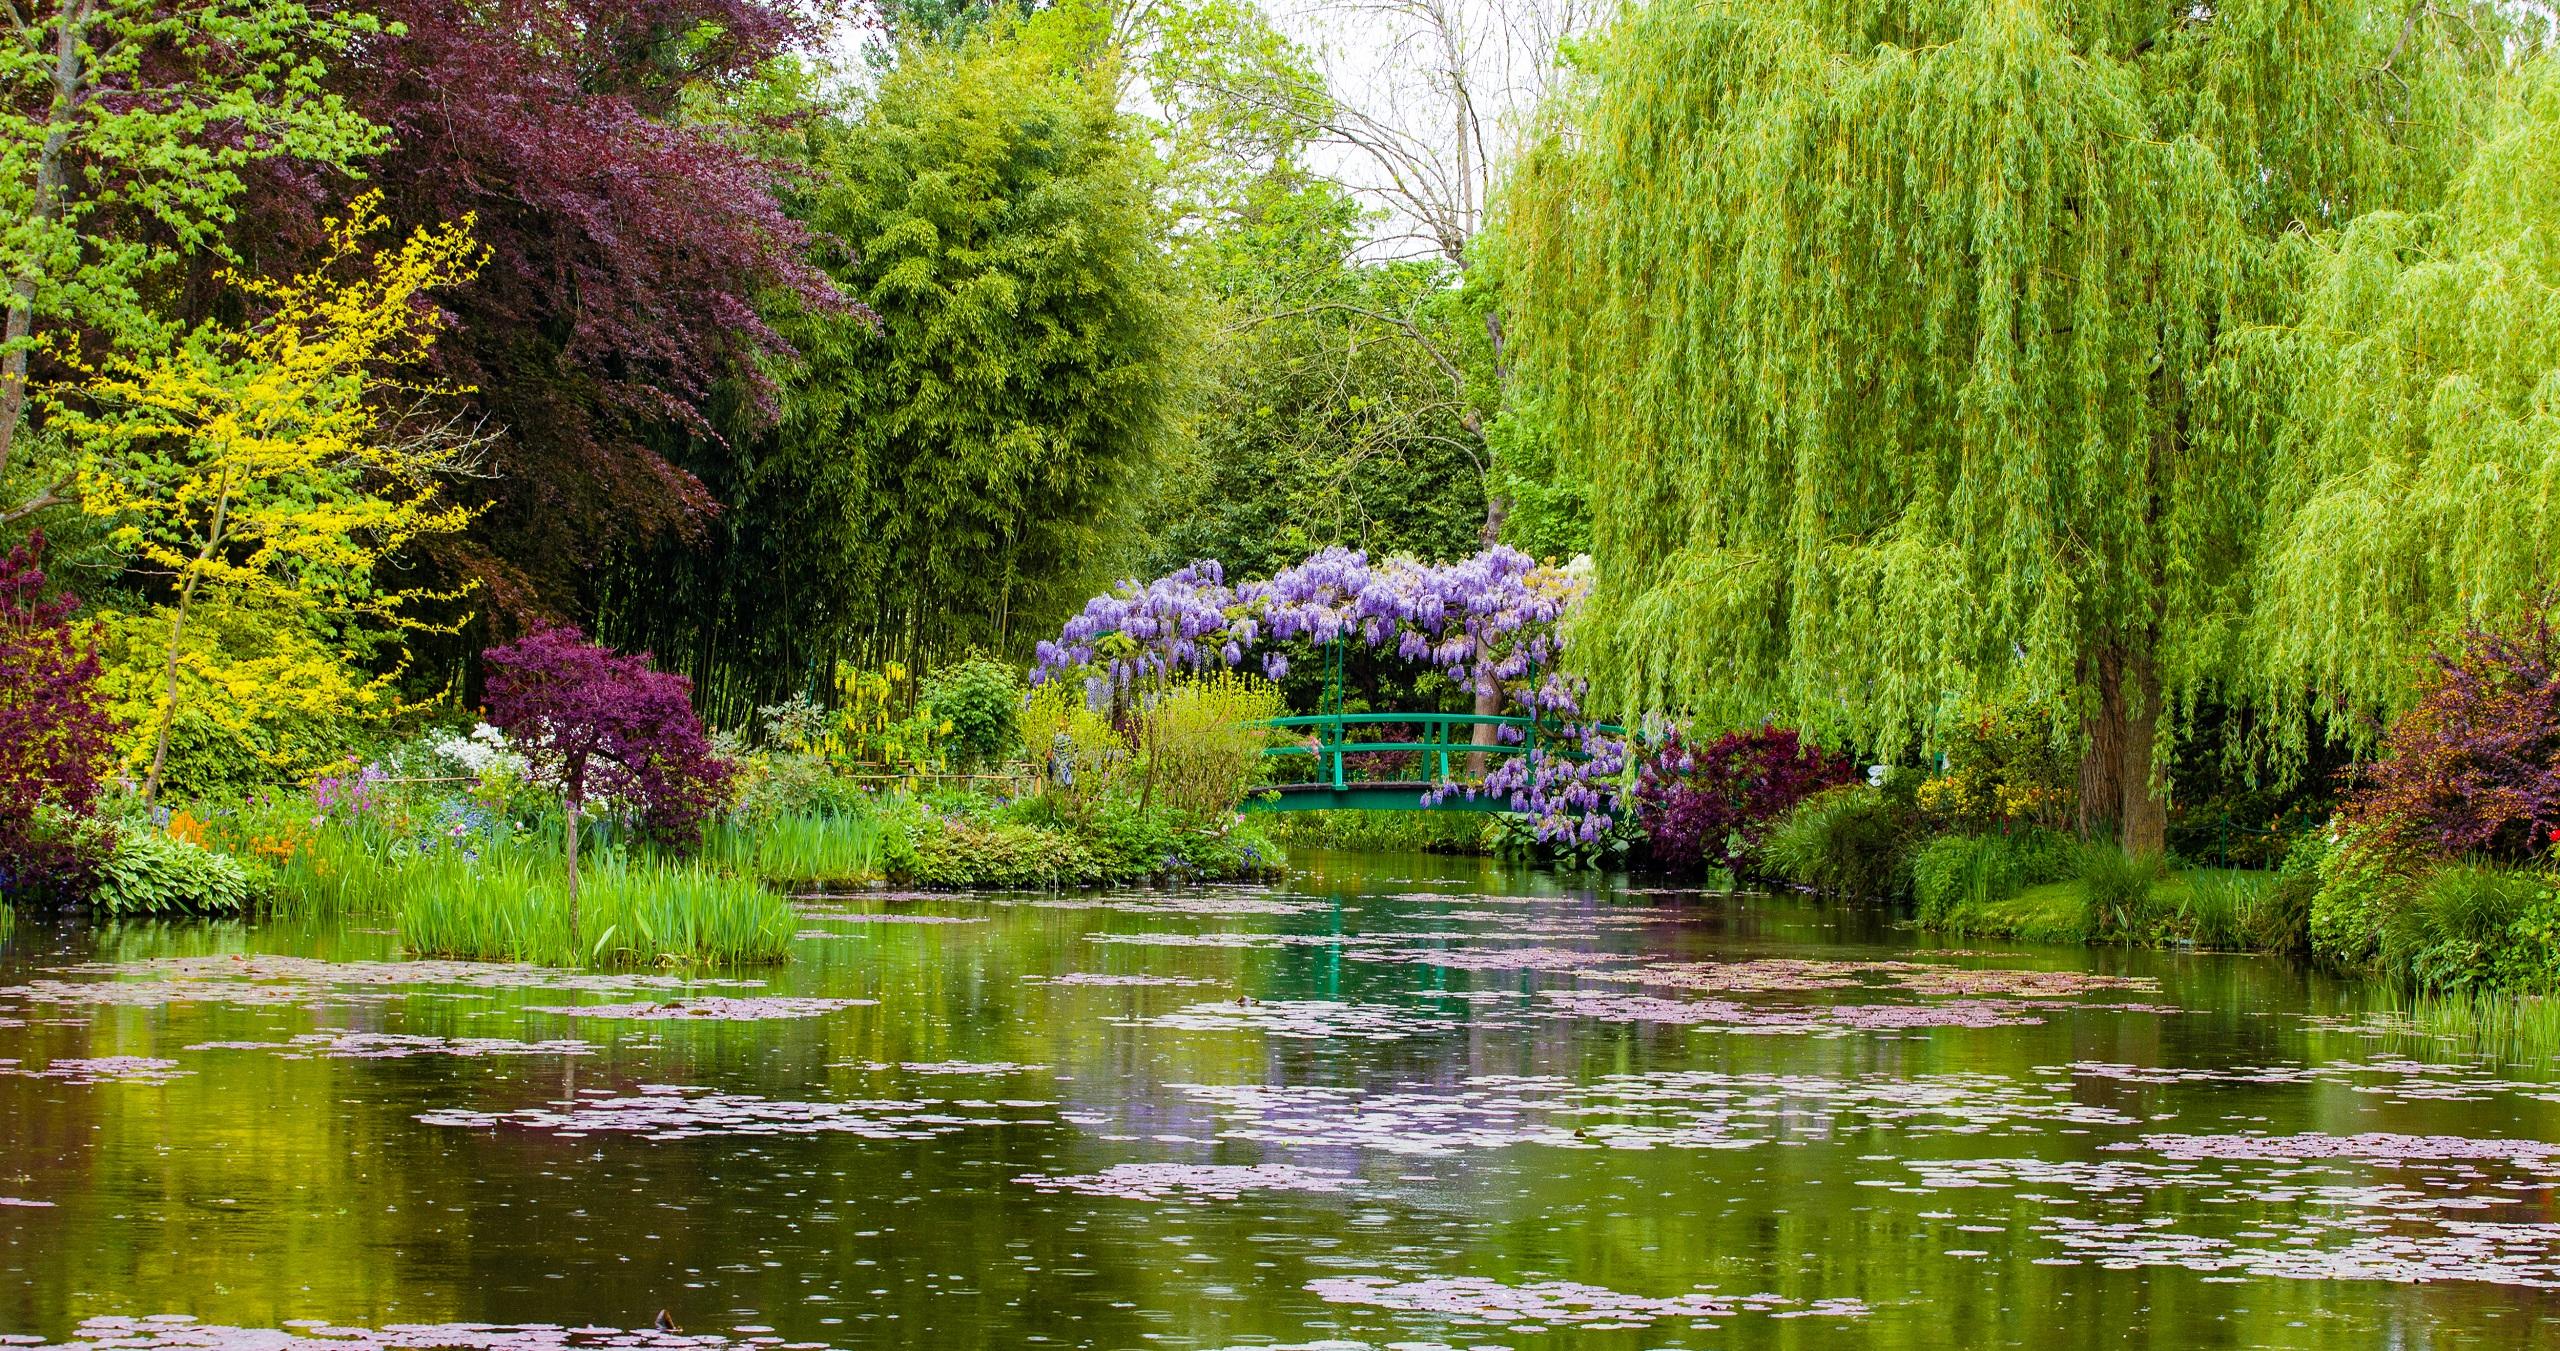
{"points": [[2220, 909]]}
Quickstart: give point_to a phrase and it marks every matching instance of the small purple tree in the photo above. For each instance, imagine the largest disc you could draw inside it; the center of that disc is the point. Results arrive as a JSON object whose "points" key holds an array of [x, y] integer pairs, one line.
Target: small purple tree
{"points": [[54, 732], [595, 723]]}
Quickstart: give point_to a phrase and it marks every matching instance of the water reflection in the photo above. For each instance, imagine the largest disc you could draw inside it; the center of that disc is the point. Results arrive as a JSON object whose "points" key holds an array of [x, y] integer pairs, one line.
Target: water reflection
{"points": [[1396, 1100]]}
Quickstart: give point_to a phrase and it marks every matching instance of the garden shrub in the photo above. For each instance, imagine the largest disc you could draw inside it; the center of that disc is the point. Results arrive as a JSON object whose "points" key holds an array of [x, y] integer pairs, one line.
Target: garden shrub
{"points": [[1079, 760], [259, 701], [1852, 840], [879, 724], [1200, 751], [2458, 930], [2004, 766], [2362, 881], [2285, 922], [595, 723], [1713, 805], [963, 853], [2122, 907], [979, 703], [149, 873]]}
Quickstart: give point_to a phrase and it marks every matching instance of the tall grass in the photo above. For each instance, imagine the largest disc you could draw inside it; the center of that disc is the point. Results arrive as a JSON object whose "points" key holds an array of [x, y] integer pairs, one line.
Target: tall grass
{"points": [[1953, 873], [643, 912], [2123, 904], [800, 849], [2217, 908], [505, 898], [1851, 840]]}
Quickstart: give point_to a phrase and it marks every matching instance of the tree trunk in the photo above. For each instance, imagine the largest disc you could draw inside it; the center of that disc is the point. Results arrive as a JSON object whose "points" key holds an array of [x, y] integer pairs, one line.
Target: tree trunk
{"points": [[168, 697], [61, 114], [569, 806], [2144, 819], [1485, 733], [2121, 791]]}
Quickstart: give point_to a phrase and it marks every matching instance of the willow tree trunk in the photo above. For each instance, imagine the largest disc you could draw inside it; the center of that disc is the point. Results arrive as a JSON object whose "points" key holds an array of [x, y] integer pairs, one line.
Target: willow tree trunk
{"points": [[2121, 789]]}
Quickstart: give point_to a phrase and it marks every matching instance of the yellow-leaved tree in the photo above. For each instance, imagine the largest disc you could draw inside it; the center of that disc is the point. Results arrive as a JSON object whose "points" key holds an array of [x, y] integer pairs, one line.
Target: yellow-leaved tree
{"points": [[264, 472]]}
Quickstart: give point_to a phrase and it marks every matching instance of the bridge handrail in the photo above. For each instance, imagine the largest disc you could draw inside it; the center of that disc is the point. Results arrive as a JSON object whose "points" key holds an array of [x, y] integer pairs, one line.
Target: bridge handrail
{"points": [[1438, 737], [1426, 719]]}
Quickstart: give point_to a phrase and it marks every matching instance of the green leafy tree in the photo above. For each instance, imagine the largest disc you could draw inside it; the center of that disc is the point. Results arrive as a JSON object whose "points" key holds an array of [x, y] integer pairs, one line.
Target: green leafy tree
{"points": [[1883, 338], [2409, 411], [959, 471], [1322, 423], [125, 130]]}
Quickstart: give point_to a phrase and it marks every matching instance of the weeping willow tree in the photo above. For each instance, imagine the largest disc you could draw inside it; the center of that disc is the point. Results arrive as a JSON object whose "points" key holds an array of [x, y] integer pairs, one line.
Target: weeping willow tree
{"points": [[2414, 406], [1885, 334]]}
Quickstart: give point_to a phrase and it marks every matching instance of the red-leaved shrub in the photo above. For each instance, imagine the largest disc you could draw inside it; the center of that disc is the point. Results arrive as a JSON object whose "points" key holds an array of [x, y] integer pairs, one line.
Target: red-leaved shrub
{"points": [[2474, 767], [1715, 804], [54, 732]]}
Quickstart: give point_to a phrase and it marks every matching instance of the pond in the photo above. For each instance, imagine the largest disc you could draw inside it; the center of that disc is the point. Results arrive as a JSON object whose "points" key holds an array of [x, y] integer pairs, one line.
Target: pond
{"points": [[1391, 1101]]}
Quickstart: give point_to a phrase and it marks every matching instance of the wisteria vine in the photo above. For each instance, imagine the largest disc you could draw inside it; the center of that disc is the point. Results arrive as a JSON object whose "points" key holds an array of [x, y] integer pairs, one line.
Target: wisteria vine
{"points": [[1491, 623]]}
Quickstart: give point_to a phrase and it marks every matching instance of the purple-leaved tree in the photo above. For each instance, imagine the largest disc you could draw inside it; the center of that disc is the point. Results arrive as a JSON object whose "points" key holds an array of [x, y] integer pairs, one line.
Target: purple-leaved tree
{"points": [[596, 723], [2474, 766], [1714, 804], [54, 732]]}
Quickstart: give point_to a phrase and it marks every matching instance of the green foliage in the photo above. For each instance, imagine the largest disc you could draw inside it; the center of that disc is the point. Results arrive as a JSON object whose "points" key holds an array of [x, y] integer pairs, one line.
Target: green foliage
{"points": [[2005, 765], [2407, 410], [1852, 841], [2223, 909], [2361, 885], [999, 857], [2121, 889], [260, 702], [107, 182], [1199, 746], [2461, 930], [1383, 832], [958, 470], [1884, 335], [1329, 418], [1079, 759], [981, 699], [149, 873]]}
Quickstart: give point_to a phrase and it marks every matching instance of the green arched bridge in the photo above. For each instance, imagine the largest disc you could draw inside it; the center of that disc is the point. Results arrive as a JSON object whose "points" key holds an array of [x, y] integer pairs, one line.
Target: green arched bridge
{"points": [[1444, 738]]}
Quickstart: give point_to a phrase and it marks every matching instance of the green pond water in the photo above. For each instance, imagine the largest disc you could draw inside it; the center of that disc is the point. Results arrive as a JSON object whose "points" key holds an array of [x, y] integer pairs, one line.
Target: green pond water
{"points": [[1390, 1101]]}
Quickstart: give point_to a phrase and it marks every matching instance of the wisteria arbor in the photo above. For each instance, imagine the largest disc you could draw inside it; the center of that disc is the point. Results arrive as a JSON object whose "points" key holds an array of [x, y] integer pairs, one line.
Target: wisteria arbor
{"points": [[1490, 623]]}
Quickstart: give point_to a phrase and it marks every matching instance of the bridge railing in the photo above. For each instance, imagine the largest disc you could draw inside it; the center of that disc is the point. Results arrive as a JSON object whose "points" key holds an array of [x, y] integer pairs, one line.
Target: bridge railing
{"points": [[1330, 739]]}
